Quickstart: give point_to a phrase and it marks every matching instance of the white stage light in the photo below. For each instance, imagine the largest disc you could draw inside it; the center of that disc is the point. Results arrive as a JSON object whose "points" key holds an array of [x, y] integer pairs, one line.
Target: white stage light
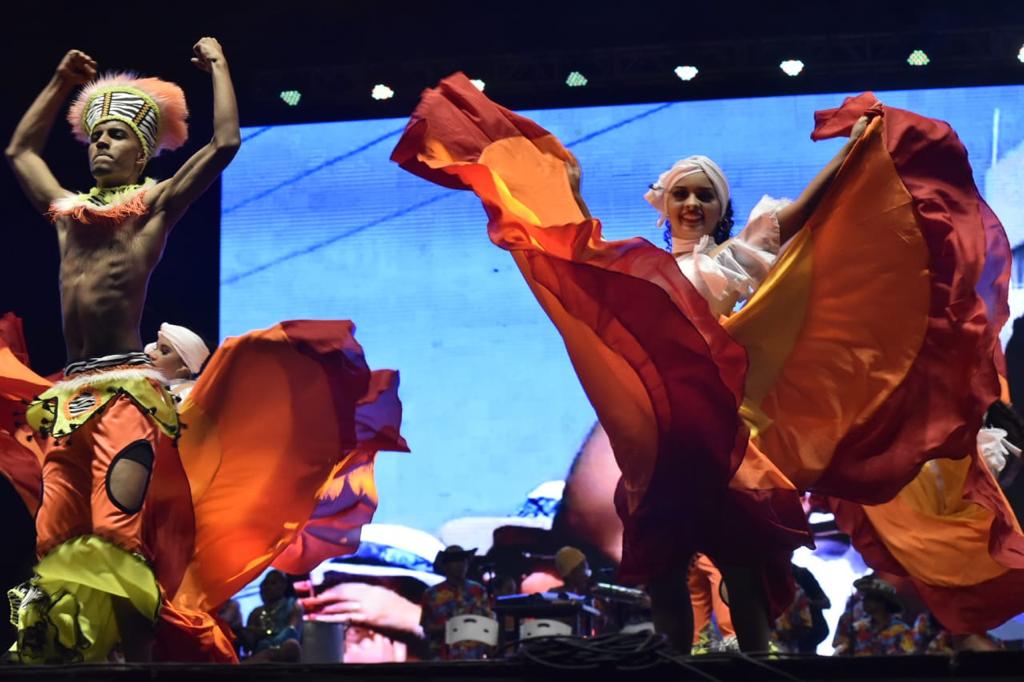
{"points": [[686, 73], [792, 67]]}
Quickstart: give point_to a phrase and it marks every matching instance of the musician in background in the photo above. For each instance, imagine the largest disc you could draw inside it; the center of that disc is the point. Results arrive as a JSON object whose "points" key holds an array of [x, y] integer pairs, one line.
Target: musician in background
{"points": [[456, 596], [572, 567], [272, 633]]}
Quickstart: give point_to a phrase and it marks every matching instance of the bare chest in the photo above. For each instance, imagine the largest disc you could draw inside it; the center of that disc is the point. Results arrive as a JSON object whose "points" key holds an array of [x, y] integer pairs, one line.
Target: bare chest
{"points": [[116, 255]]}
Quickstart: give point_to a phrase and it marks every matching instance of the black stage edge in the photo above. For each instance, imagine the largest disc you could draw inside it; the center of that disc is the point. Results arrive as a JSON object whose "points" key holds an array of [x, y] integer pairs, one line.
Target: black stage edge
{"points": [[967, 666]]}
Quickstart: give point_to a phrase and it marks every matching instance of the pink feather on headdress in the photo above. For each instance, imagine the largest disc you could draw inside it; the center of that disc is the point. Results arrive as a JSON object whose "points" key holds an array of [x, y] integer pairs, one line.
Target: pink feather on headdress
{"points": [[169, 98]]}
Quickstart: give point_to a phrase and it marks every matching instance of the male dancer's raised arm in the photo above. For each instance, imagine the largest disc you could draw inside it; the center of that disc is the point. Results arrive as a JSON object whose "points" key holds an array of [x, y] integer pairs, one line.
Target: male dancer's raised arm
{"points": [[175, 194], [24, 151]]}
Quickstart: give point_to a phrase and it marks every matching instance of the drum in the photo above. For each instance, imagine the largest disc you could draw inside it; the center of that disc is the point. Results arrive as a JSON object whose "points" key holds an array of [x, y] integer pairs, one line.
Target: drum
{"points": [[471, 628]]}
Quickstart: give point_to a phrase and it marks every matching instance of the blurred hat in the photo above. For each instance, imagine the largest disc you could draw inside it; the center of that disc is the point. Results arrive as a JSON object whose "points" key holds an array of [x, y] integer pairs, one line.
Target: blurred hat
{"points": [[567, 559], [870, 586], [387, 551], [452, 553], [536, 514]]}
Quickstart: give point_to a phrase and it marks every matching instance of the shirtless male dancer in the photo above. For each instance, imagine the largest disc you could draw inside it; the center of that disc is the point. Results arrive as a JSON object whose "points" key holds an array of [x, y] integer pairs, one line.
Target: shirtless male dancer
{"points": [[109, 421]]}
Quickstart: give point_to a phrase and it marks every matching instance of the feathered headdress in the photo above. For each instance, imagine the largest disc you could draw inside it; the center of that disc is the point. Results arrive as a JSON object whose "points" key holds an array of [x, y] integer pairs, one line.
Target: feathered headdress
{"points": [[154, 109]]}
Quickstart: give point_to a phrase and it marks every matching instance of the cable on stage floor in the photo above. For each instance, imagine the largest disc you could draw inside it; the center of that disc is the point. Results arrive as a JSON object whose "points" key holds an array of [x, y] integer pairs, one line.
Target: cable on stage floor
{"points": [[634, 652]]}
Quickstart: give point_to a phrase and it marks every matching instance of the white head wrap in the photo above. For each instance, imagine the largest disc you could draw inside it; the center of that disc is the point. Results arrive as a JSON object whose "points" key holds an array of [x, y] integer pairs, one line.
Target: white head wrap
{"points": [[186, 343], [656, 195]]}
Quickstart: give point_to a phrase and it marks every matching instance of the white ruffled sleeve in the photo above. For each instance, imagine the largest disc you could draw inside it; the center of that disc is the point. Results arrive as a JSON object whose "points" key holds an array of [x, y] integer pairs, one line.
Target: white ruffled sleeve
{"points": [[762, 230], [995, 449], [755, 248], [732, 271]]}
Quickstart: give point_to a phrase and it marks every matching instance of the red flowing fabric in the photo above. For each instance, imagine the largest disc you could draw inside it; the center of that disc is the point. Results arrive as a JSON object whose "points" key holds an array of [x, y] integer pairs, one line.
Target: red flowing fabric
{"points": [[269, 418], [20, 455], [938, 408], [914, 327], [664, 377], [277, 422], [191, 636], [348, 499], [955, 539], [950, 531]]}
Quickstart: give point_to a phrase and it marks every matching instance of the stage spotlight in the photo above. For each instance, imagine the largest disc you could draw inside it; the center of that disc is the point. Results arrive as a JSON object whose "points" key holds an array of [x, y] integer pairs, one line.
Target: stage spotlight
{"points": [[686, 73], [918, 58], [792, 67], [1020, 55], [381, 91], [576, 80], [479, 84], [291, 97]]}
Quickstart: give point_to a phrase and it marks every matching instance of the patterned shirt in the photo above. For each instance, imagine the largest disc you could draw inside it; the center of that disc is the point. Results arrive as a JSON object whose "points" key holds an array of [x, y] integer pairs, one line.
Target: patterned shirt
{"points": [[865, 639], [844, 629], [932, 638], [794, 623], [447, 600], [274, 622]]}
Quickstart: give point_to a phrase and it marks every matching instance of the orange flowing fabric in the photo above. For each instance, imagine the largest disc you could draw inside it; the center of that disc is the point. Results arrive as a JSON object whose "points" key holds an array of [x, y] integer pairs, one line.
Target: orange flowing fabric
{"points": [[950, 531], [705, 583], [664, 377], [935, 408], [865, 353], [348, 499], [270, 427], [162, 530], [21, 458], [269, 418], [278, 440]]}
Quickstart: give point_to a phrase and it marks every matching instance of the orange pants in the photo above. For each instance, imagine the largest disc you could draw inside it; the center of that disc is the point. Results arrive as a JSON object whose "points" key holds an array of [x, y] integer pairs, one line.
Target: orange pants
{"points": [[705, 582], [77, 496]]}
